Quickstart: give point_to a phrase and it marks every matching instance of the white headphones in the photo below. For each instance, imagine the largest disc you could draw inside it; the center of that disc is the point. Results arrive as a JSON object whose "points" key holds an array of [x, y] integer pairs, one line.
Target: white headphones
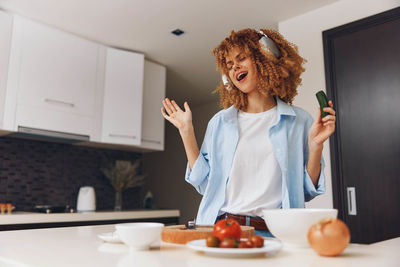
{"points": [[267, 44]]}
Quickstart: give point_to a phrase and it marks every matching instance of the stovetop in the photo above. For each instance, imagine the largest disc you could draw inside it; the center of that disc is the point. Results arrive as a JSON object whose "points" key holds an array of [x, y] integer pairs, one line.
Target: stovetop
{"points": [[53, 209]]}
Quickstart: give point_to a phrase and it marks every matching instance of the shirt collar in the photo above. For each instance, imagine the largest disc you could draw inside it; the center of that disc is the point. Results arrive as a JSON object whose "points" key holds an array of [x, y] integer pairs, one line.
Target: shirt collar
{"points": [[230, 114], [282, 109]]}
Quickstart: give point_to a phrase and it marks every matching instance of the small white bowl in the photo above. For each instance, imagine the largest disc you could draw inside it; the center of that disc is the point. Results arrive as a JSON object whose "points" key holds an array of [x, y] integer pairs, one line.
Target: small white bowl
{"points": [[139, 236], [291, 225]]}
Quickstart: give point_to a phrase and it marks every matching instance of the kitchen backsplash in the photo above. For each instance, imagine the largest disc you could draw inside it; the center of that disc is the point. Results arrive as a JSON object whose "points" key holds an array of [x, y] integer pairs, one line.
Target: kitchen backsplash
{"points": [[45, 173]]}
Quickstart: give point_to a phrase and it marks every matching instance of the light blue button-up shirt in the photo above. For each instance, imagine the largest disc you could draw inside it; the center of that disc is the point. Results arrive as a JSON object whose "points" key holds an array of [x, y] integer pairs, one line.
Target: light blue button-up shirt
{"points": [[289, 138]]}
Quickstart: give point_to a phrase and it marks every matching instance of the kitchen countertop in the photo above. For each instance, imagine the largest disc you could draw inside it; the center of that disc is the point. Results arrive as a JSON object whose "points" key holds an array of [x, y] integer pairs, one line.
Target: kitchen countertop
{"points": [[80, 246], [33, 217]]}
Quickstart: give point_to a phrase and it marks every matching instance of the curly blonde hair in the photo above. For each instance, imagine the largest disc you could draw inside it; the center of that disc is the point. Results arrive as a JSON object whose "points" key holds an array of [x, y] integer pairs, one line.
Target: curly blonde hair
{"points": [[277, 76]]}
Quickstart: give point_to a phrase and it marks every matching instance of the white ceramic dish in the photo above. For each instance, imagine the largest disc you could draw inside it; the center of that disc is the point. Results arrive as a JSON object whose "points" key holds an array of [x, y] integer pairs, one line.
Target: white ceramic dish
{"points": [[139, 236], [291, 225], [110, 237], [271, 247]]}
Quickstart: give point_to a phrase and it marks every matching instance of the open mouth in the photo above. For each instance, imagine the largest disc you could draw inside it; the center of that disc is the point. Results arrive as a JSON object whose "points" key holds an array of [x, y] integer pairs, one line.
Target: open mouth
{"points": [[240, 76]]}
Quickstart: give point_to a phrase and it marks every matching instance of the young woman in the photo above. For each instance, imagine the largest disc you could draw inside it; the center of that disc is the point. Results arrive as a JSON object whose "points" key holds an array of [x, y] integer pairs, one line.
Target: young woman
{"points": [[259, 152]]}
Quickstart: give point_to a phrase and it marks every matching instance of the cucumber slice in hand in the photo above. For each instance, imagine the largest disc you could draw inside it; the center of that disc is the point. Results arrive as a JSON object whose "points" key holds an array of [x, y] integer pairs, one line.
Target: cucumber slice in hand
{"points": [[323, 102]]}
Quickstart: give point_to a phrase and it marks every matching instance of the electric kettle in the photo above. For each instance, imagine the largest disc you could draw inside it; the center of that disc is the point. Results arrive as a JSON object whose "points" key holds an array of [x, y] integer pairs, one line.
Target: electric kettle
{"points": [[86, 199]]}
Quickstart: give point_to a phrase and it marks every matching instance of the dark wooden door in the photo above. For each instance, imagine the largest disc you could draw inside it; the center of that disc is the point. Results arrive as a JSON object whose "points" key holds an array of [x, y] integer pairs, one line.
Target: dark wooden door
{"points": [[362, 66]]}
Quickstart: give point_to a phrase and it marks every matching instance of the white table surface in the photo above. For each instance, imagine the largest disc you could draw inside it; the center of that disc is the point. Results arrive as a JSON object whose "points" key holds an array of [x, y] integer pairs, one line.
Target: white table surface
{"points": [[80, 246]]}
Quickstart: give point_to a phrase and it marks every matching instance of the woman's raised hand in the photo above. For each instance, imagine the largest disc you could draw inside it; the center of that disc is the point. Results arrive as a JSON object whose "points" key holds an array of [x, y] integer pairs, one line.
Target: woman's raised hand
{"points": [[175, 115], [183, 121]]}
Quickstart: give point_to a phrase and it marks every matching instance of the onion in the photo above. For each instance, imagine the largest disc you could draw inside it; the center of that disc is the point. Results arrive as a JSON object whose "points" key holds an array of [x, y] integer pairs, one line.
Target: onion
{"points": [[329, 237]]}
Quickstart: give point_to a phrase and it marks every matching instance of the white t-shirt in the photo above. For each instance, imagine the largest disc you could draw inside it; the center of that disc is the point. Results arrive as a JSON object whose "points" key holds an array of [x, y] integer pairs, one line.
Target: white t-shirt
{"points": [[255, 181]]}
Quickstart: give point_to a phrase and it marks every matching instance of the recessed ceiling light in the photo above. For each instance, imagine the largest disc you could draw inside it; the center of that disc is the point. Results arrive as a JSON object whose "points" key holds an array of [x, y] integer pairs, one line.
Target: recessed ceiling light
{"points": [[177, 32]]}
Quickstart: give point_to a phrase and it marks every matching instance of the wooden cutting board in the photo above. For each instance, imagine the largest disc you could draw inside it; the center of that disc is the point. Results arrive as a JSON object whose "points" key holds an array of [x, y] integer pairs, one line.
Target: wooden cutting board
{"points": [[179, 234]]}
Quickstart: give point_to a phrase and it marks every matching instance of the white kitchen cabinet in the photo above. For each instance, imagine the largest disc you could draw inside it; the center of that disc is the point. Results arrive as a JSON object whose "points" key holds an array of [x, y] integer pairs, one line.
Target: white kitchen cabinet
{"points": [[52, 80], [123, 96], [132, 83], [153, 94], [55, 81]]}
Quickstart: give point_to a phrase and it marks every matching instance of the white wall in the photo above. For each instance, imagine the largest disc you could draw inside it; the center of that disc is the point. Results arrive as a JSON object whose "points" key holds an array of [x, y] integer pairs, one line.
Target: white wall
{"points": [[5, 43], [306, 32]]}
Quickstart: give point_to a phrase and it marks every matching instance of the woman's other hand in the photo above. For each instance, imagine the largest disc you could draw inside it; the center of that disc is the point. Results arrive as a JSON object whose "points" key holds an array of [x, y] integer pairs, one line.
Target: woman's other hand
{"points": [[175, 115], [322, 128]]}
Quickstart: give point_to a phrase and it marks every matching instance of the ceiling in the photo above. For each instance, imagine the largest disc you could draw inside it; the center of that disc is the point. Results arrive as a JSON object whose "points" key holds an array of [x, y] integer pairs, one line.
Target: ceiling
{"points": [[145, 26]]}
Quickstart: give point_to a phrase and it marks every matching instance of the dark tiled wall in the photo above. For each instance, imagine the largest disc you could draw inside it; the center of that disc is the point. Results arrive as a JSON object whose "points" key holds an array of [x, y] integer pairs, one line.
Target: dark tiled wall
{"points": [[45, 173]]}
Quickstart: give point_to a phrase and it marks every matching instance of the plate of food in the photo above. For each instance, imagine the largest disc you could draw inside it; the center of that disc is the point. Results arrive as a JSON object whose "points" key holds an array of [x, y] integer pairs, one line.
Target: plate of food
{"points": [[270, 247]]}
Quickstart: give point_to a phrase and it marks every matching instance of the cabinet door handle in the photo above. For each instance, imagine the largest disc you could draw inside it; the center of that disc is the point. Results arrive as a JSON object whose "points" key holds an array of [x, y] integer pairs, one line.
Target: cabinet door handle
{"points": [[122, 136], [151, 141], [351, 201], [54, 101]]}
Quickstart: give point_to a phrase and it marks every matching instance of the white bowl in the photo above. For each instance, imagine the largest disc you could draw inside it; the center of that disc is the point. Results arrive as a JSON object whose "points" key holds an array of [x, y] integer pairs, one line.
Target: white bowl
{"points": [[139, 236], [291, 225]]}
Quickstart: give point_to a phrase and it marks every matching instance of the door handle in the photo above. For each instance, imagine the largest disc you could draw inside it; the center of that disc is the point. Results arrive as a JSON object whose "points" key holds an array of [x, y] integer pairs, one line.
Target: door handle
{"points": [[54, 101], [122, 136], [351, 201]]}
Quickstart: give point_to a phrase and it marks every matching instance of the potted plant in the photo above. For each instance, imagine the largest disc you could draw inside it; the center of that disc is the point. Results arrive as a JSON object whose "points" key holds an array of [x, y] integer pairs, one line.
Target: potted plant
{"points": [[123, 175]]}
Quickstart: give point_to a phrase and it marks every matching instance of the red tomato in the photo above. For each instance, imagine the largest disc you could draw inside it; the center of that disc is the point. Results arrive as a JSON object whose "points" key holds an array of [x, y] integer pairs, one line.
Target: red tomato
{"points": [[258, 241], [212, 241], [227, 228], [228, 242], [246, 244]]}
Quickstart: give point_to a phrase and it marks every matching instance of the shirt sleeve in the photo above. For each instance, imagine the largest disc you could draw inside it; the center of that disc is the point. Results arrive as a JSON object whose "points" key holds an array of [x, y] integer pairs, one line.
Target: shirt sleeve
{"points": [[310, 191], [198, 175]]}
